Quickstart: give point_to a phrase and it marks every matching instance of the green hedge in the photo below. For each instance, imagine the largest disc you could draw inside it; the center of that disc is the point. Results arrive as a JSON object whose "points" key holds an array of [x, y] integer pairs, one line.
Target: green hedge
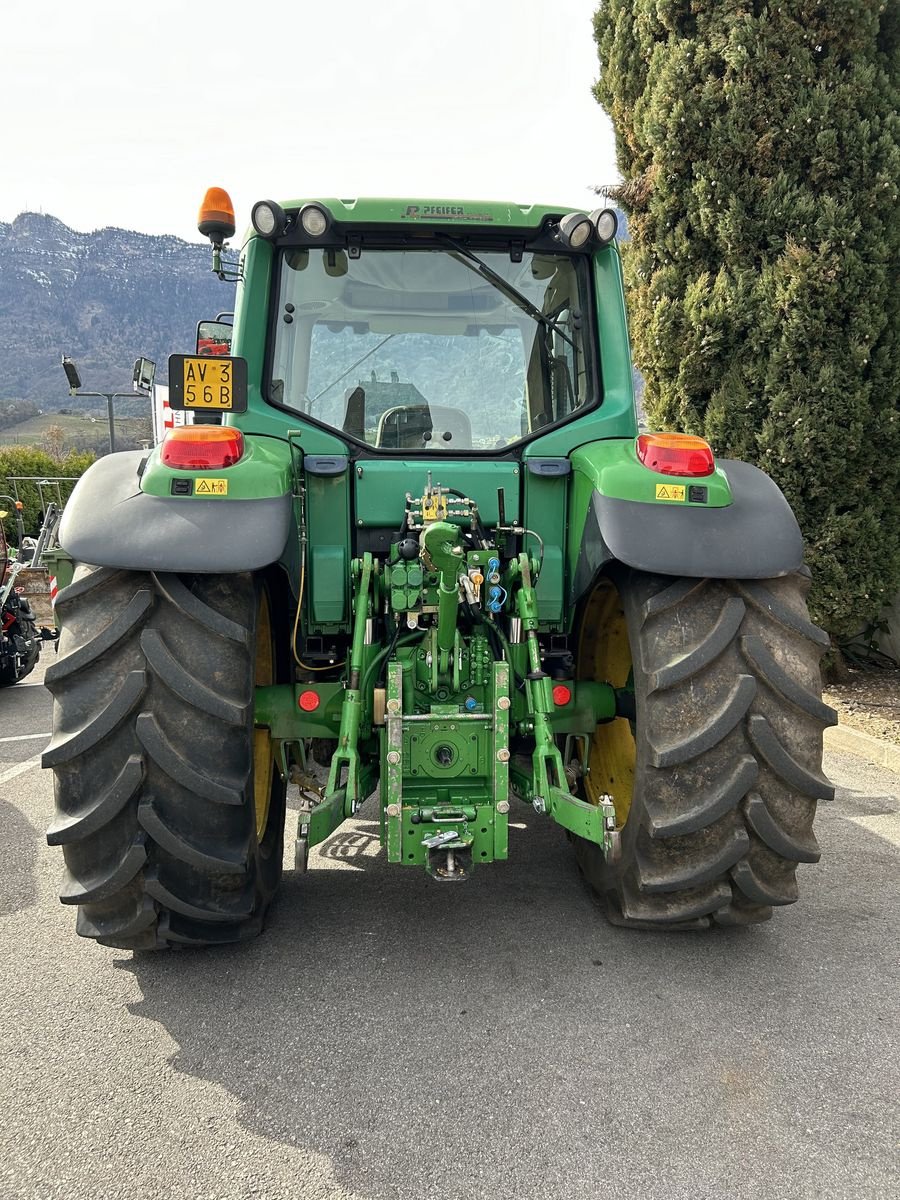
{"points": [[760, 148], [24, 460]]}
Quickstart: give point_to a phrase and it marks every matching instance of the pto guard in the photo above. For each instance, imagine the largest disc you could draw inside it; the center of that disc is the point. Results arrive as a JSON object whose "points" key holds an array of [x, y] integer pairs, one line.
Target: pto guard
{"points": [[112, 520]]}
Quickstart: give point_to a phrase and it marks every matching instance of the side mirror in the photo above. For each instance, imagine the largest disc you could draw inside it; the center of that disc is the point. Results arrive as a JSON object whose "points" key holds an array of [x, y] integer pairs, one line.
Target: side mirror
{"points": [[214, 337]]}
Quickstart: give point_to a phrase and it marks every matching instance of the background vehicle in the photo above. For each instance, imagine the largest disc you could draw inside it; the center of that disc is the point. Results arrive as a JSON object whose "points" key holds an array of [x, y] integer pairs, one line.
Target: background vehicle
{"points": [[20, 641], [418, 535]]}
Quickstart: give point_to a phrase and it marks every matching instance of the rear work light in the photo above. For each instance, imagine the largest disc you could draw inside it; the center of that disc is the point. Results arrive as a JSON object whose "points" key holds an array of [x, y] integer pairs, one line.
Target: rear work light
{"points": [[675, 454], [202, 447]]}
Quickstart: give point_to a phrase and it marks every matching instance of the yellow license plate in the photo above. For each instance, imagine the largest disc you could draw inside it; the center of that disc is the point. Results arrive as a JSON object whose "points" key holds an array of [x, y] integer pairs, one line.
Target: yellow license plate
{"points": [[211, 383], [208, 383]]}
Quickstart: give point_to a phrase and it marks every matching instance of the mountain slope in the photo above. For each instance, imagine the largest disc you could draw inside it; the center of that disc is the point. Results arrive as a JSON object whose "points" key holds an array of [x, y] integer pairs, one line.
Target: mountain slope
{"points": [[104, 298]]}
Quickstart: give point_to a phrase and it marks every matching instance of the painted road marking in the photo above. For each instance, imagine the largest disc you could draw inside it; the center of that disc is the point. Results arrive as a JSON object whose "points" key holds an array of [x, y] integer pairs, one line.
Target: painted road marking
{"points": [[20, 769], [26, 737]]}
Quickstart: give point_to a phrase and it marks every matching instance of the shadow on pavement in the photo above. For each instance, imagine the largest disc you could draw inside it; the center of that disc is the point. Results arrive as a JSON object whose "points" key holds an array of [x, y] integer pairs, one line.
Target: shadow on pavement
{"points": [[18, 888], [500, 1039]]}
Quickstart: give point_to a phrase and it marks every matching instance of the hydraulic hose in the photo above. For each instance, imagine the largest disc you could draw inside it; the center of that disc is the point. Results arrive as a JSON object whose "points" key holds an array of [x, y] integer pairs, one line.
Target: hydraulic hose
{"points": [[385, 653]]}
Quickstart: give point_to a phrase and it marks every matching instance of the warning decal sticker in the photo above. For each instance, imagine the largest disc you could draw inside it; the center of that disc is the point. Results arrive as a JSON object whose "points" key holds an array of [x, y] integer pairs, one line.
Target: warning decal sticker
{"points": [[217, 487], [670, 491]]}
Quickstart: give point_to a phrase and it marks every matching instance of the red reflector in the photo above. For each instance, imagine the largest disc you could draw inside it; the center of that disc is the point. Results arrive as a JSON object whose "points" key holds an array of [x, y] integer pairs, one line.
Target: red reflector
{"points": [[202, 447], [561, 694], [309, 701], [675, 454]]}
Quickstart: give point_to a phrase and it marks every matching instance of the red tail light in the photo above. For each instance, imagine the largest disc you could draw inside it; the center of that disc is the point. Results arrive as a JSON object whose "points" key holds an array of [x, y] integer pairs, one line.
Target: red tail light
{"points": [[308, 701], [202, 447], [561, 695], [675, 454]]}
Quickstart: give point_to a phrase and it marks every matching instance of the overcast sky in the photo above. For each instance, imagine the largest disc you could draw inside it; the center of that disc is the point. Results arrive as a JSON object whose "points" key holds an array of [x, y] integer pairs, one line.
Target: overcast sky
{"points": [[123, 114]]}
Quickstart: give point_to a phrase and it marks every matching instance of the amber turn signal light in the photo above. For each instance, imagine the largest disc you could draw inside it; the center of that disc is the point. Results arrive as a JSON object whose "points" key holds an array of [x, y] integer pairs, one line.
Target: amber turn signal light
{"points": [[675, 454], [216, 217]]}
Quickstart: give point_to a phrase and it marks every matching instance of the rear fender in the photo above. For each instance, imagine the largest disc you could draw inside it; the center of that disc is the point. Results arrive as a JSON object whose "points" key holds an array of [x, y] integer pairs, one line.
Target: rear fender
{"points": [[123, 513], [738, 525]]}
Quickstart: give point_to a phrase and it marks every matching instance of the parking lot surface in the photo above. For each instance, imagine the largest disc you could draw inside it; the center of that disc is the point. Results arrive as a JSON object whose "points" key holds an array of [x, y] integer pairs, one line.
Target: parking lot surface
{"points": [[388, 1037]]}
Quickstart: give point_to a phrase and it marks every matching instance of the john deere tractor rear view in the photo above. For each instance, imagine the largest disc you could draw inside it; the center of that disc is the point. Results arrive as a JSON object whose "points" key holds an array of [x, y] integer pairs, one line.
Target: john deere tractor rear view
{"points": [[412, 534]]}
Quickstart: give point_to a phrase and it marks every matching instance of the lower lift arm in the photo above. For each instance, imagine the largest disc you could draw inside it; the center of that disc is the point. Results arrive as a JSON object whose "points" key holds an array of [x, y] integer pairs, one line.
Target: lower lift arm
{"points": [[546, 787], [349, 780]]}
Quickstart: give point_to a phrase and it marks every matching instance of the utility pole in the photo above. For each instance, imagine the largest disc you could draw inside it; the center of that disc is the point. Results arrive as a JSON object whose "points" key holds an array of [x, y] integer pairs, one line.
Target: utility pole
{"points": [[142, 382]]}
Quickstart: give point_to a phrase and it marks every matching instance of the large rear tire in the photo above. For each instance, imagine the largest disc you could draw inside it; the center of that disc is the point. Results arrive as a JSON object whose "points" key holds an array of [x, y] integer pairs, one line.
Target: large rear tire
{"points": [[169, 807], [715, 779]]}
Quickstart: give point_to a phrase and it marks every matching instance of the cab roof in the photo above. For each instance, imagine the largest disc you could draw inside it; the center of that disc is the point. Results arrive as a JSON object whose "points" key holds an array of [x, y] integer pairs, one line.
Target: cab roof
{"points": [[405, 211]]}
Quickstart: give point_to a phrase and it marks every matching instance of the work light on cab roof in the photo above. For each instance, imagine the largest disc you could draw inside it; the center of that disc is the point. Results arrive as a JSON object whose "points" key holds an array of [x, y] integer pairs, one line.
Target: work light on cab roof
{"points": [[575, 230], [314, 219], [268, 219], [605, 222]]}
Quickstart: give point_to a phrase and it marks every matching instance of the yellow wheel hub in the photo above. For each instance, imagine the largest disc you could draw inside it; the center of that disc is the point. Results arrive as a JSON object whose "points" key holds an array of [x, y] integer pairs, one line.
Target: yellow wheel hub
{"points": [[604, 655], [263, 748]]}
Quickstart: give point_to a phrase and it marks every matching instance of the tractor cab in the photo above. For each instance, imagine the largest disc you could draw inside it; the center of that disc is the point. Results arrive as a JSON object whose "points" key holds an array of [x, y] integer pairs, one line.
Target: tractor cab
{"points": [[431, 349]]}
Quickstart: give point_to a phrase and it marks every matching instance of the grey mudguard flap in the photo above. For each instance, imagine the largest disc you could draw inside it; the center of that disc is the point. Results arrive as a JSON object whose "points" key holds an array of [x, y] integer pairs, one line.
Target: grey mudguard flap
{"points": [[109, 522], [756, 537]]}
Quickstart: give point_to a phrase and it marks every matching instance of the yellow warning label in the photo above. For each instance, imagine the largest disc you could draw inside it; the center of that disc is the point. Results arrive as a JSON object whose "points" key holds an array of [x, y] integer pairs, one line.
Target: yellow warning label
{"points": [[217, 487], [670, 491], [435, 508]]}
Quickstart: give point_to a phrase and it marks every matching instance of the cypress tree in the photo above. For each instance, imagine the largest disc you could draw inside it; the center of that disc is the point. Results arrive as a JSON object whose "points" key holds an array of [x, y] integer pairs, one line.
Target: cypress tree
{"points": [[759, 145]]}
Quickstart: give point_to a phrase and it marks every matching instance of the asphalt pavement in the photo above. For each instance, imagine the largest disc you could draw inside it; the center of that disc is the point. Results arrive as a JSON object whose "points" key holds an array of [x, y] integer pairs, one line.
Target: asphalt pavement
{"points": [[389, 1037]]}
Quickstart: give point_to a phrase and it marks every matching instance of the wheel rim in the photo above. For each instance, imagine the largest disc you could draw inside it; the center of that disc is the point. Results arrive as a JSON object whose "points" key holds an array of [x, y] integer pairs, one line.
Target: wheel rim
{"points": [[604, 655], [263, 747]]}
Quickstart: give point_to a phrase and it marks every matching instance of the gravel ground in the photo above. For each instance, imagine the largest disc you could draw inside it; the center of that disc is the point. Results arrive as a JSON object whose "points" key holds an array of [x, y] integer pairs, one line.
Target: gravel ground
{"points": [[870, 702]]}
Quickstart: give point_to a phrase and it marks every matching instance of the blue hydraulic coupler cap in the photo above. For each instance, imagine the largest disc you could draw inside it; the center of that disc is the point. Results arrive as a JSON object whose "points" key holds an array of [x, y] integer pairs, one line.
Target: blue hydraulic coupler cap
{"points": [[470, 703]]}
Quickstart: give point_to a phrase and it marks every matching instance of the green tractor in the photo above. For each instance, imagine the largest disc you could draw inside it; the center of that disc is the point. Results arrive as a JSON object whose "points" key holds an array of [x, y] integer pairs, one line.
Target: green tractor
{"points": [[414, 551]]}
